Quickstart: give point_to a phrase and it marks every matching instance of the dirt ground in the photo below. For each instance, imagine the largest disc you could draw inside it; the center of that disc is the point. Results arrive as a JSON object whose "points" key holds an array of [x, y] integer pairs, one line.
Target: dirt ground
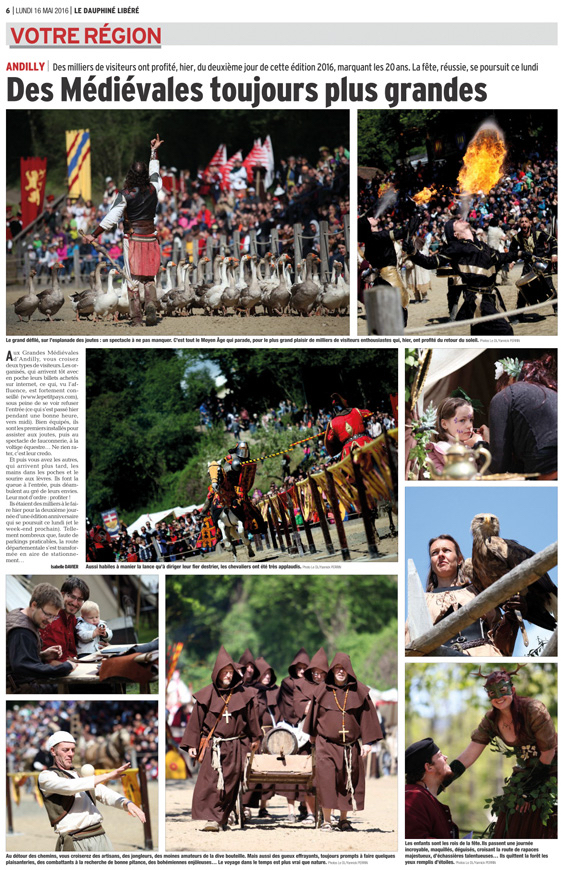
{"points": [[356, 540], [376, 826], [435, 311], [198, 324], [32, 832]]}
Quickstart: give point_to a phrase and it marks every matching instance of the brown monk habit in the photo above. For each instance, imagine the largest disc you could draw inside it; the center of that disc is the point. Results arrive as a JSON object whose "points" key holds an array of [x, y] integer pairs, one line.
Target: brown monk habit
{"points": [[267, 710], [225, 757], [338, 761], [247, 658], [304, 689], [287, 711]]}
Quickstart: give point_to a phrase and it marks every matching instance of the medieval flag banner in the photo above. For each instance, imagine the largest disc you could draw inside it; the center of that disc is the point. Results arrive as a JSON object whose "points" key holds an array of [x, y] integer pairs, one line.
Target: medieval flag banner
{"points": [[78, 161], [110, 520], [33, 172]]}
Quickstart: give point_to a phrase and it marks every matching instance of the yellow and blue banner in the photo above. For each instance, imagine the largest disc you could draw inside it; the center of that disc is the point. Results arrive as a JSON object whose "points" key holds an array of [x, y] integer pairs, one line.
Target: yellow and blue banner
{"points": [[78, 161]]}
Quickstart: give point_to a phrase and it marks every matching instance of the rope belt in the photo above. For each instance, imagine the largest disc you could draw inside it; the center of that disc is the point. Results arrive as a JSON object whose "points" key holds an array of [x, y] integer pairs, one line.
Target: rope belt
{"points": [[216, 760], [348, 750], [66, 841]]}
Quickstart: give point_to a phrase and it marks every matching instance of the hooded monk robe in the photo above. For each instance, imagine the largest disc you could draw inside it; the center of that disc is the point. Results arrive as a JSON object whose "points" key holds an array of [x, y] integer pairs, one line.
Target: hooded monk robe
{"points": [[241, 722], [325, 722]]}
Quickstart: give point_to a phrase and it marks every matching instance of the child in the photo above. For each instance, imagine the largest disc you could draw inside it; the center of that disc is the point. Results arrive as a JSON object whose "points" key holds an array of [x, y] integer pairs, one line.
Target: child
{"points": [[454, 420], [93, 634]]}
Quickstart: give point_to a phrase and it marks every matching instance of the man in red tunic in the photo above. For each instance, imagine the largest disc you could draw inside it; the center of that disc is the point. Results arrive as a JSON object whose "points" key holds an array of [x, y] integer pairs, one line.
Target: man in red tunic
{"points": [[347, 430], [426, 770], [61, 631], [136, 205]]}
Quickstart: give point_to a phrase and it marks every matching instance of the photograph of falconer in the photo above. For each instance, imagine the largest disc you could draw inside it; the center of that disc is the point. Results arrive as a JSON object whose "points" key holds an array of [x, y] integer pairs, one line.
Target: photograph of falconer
{"points": [[136, 205]]}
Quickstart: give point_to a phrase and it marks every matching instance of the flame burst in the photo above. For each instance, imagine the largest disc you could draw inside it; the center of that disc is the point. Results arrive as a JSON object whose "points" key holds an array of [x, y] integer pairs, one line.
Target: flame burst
{"points": [[483, 161], [424, 195]]}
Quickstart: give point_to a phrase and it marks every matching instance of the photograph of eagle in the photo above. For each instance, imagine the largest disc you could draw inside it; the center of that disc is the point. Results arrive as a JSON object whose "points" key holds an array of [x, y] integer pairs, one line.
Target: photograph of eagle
{"points": [[493, 557]]}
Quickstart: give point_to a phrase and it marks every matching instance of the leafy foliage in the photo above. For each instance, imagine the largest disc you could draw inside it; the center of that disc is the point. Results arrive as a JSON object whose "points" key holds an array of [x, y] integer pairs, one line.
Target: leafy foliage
{"points": [[275, 615]]}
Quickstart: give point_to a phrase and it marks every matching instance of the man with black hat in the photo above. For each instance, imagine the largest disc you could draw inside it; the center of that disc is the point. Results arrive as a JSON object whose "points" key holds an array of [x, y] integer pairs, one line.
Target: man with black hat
{"points": [[477, 265], [71, 800], [426, 771]]}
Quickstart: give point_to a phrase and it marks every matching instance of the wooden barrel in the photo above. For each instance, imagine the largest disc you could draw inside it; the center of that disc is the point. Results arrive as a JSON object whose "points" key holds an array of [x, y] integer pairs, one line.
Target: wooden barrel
{"points": [[280, 740]]}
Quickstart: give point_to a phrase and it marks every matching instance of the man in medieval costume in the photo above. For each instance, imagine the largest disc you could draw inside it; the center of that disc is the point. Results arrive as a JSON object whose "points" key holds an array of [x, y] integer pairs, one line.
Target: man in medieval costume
{"points": [[541, 246], [71, 800], [223, 727], [136, 205], [426, 772], [241, 473], [290, 712], [343, 723], [477, 265], [347, 429]]}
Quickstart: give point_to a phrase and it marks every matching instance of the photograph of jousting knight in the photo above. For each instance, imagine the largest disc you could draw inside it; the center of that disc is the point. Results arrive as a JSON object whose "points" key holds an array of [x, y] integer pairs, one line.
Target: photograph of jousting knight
{"points": [[457, 213], [248, 233]]}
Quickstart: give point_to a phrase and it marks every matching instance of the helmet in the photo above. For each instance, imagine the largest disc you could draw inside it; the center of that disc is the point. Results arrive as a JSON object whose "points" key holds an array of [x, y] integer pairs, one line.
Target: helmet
{"points": [[242, 449]]}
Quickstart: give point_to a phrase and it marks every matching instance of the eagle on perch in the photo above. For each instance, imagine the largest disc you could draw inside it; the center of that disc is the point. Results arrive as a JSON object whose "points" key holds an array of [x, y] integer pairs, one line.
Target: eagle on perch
{"points": [[493, 557]]}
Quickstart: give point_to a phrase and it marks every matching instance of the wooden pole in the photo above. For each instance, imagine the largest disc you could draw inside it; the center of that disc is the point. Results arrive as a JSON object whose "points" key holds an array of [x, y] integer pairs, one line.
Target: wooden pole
{"points": [[9, 812], [307, 529], [295, 533], [366, 512], [284, 522], [337, 515], [320, 512], [148, 841], [550, 648], [519, 578], [273, 528], [384, 314]]}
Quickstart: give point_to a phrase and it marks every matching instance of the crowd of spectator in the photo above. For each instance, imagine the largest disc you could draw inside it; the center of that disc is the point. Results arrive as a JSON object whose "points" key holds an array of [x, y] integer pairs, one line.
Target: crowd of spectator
{"points": [[28, 725], [526, 188], [196, 209]]}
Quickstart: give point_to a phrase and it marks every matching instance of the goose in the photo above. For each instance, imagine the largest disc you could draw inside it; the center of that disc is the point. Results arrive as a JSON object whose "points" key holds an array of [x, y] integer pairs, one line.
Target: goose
{"points": [[52, 300], [26, 305], [335, 296], [279, 296], [252, 295], [306, 292], [106, 303]]}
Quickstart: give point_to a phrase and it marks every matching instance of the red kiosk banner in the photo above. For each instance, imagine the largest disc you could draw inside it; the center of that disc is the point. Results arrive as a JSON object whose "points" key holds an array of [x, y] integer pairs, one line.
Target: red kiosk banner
{"points": [[33, 172]]}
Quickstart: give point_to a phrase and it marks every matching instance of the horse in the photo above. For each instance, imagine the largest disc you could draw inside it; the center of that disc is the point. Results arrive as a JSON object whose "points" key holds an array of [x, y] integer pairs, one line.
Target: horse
{"points": [[230, 520], [104, 752]]}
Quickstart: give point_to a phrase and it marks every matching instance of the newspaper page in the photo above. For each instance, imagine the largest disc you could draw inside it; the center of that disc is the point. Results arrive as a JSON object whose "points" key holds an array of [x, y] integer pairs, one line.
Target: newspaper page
{"points": [[280, 291]]}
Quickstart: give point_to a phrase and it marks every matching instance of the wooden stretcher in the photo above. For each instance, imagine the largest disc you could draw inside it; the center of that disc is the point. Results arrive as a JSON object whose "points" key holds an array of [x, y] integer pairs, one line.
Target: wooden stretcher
{"points": [[279, 764]]}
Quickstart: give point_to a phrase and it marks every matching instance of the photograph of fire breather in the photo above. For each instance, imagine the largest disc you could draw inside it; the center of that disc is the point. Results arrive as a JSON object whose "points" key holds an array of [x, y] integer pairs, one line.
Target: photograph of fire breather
{"points": [[457, 223]]}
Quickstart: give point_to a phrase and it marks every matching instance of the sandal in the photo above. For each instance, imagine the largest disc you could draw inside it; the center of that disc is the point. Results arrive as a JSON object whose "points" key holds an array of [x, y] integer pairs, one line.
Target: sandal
{"points": [[309, 821], [345, 825], [326, 827]]}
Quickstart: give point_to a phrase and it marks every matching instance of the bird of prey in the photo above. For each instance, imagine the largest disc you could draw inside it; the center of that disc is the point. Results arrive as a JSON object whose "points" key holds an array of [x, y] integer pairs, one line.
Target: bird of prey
{"points": [[493, 557]]}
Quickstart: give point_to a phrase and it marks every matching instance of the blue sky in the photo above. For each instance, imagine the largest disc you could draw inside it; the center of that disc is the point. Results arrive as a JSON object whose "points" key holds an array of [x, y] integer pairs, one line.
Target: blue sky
{"points": [[527, 514]]}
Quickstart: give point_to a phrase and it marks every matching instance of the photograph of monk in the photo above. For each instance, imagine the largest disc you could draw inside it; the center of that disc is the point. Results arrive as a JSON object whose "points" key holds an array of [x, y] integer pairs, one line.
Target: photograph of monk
{"points": [[224, 455], [282, 713], [481, 414], [481, 571], [94, 634], [82, 776], [481, 751], [178, 221], [457, 222]]}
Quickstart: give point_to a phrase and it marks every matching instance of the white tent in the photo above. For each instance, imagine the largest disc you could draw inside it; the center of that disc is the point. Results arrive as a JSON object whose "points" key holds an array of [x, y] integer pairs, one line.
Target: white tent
{"points": [[157, 516]]}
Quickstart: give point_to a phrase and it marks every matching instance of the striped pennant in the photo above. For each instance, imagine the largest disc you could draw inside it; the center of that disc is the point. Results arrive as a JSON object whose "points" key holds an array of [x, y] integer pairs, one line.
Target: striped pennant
{"points": [[78, 161]]}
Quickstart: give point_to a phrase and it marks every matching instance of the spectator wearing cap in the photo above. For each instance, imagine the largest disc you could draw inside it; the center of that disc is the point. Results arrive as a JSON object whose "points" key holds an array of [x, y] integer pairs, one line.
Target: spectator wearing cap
{"points": [[71, 800], [426, 772]]}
